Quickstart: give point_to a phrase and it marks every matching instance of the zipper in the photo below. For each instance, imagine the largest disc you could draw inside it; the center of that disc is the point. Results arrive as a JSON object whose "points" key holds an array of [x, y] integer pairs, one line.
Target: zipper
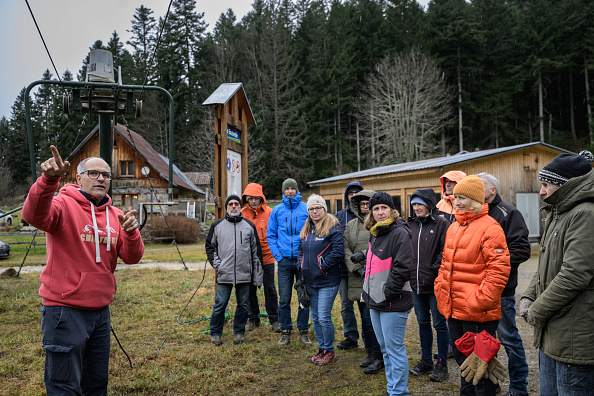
{"points": [[292, 233], [235, 255], [418, 255]]}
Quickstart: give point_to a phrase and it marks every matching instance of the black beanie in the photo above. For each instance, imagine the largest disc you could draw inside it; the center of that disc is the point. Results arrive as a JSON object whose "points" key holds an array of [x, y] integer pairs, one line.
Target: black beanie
{"points": [[381, 197], [232, 197], [565, 166]]}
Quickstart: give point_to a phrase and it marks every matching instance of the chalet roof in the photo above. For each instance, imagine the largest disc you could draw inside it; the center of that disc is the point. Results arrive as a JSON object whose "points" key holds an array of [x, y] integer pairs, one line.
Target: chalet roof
{"points": [[199, 178], [155, 160], [225, 92], [463, 156]]}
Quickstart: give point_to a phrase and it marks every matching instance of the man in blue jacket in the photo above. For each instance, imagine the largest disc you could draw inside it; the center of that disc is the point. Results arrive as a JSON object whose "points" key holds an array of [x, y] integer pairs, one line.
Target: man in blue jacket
{"points": [[284, 225]]}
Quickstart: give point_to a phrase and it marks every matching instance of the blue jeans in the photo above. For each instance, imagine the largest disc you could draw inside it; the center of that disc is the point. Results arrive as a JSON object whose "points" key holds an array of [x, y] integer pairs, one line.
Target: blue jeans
{"points": [[369, 337], [76, 342], [347, 311], [242, 295], [425, 308], [562, 379], [287, 274], [507, 333], [270, 297], [322, 301], [389, 328]]}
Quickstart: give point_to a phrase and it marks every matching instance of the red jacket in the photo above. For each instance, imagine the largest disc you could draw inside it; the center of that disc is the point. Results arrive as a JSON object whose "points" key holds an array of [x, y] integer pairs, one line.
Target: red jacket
{"points": [[259, 217], [474, 268], [79, 271]]}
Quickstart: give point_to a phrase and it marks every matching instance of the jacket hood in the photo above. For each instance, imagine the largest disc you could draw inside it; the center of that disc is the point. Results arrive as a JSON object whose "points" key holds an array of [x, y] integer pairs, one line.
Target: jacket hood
{"points": [[575, 191], [456, 176], [427, 195], [74, 191], [363, 195], [346, 190], [253, 190]]}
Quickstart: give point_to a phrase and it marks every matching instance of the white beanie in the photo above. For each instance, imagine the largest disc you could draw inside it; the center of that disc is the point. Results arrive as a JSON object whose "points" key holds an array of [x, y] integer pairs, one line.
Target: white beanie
{"points": [[315, 199]]}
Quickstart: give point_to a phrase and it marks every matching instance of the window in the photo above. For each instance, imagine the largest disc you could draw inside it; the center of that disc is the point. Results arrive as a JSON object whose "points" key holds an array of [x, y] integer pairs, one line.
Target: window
{"points": [[129, 202], [338, 205], [127, 168]]}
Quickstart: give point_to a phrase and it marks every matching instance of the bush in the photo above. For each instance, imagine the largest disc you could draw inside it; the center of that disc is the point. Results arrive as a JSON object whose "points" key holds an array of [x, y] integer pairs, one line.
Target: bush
{"points": [[165, 229]]}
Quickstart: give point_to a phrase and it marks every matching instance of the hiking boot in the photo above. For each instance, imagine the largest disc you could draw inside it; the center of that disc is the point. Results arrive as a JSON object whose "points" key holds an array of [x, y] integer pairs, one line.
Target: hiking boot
{"points": [[347, 343], [315, 358], [304, 338], [368, 360], [276, 327], [440, 372], [238, 339], [325, 358], [422, 367], [216, 340], [285, 337], [251, 326], [510, 393], [375, 367]]}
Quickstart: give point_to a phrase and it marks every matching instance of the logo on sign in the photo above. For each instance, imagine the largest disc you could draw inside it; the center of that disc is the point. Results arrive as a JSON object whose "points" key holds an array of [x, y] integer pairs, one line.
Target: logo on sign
{"points": [[234, 134]]}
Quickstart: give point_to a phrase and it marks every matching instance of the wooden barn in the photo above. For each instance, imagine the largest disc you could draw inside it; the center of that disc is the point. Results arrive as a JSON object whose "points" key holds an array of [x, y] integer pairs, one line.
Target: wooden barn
{"points": [[130, 187], [516, 168]]}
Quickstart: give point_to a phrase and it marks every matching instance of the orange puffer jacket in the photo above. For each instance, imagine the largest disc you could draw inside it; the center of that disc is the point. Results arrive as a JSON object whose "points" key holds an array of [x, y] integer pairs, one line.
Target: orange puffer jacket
{"points": [[474, 268]]}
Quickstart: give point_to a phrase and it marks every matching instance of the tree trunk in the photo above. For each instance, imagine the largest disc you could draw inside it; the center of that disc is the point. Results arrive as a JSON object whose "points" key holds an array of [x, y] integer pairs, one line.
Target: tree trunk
{"points": [[460, 135], [540, 109], [588, 105], [358, 150], [571, 106]]}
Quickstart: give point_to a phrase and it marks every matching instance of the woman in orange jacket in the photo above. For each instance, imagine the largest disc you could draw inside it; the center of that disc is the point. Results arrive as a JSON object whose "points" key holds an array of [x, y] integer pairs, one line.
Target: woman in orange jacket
{"points": [[473, 273]]}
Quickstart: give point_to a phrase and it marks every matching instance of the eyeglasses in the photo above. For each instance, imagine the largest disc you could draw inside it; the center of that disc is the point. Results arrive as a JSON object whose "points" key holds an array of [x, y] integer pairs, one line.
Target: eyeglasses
{"points": [[94, 174], [364, 204], [233, 203], [315, 208]]}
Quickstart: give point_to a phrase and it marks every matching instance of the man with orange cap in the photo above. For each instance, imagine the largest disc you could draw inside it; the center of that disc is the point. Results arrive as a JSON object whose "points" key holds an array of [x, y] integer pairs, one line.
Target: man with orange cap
{"points": [[446, 205], [256, 210]]}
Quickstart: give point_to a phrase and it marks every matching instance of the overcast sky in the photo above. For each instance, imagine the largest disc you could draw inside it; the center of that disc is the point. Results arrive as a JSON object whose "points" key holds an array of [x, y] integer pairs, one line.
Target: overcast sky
{"points": [[69, 28]]}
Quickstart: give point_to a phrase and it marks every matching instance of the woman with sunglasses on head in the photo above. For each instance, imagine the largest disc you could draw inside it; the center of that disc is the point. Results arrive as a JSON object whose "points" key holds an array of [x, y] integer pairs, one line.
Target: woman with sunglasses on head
{"points": [[321, 252]]}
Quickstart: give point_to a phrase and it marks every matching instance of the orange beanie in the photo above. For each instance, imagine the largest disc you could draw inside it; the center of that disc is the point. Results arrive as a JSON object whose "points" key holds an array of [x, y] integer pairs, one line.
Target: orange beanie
{"points": [[471, 187]]}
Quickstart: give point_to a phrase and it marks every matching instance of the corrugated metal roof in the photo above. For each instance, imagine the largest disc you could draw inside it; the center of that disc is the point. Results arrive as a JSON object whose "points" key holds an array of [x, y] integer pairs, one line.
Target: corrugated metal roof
{"points": [[463, 156], [224, 93], [199, 178]]}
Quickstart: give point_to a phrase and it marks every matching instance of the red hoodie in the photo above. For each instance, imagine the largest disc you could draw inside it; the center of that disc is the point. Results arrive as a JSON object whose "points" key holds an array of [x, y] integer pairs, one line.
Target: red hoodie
{"points": [[259, 217], [79, 271]]}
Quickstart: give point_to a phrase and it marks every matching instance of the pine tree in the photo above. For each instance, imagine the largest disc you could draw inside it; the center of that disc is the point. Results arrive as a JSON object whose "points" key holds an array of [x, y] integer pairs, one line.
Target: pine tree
{"points": [[143, 41]]}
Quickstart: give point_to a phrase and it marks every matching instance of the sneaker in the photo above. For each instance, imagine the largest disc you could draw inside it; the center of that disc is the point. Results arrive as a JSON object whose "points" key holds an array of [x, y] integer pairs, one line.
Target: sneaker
{"points": [[276, 327], [325, 358], [315, 358], [510, 393], [238, 339], [422, 367], [304, 338], [347, 343], [375, 367], [216, 340], [285, 337], [440, 372], [368, 360], [251, 326]]}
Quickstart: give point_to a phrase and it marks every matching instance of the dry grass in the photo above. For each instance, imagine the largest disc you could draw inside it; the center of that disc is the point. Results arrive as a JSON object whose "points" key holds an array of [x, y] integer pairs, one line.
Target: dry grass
{"points": [[144, 313]]}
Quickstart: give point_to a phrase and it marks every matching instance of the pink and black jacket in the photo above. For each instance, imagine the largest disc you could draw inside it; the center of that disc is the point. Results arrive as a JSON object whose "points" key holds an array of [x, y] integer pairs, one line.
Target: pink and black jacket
{"points": [[388, 269], [321, 258]]}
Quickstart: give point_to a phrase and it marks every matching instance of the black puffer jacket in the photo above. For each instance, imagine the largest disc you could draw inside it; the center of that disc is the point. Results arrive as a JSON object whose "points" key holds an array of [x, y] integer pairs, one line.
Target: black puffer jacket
{"points": [[428, 237]]}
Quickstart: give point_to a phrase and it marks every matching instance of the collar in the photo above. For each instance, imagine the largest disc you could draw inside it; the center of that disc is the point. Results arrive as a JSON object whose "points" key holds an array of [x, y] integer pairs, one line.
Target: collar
{"points": [[93, 200]]}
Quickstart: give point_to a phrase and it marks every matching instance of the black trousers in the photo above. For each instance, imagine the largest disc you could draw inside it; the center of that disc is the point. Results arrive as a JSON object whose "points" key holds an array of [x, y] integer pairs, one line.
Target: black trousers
{"points": [[457, 329], [270, 297]]}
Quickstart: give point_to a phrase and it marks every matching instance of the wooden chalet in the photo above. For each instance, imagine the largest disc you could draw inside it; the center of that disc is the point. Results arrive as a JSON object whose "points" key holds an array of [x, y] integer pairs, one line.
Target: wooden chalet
{"points": [[516, 168], [130, 187]]}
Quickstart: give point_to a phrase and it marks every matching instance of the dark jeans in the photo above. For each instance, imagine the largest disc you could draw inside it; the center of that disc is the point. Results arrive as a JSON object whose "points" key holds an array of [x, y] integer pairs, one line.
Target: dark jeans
{"points": [[425, 308], [347, 311], [287, 274], [457, 329], [76, 343], [563, 379], [511, 340], [369, 337], [242, 295], [270, 297]]}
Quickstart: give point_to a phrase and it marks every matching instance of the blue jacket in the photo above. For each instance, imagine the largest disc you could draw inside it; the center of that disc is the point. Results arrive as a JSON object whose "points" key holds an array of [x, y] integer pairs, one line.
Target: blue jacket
{"points": [[321, 258], [284, 225], [345, 215]]}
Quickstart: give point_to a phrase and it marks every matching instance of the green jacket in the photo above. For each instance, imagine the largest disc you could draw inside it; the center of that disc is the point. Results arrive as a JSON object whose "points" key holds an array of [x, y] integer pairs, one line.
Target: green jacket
{"points": [[563, 286], [356, 239]]}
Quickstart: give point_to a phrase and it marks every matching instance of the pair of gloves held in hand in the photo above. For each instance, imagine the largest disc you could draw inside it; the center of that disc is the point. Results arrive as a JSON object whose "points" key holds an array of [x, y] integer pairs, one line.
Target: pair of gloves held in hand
{"points": [[481, 362]]}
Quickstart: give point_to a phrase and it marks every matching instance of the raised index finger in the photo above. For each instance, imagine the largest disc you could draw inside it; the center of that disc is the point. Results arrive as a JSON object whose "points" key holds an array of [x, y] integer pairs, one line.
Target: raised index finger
{"points": [[57, 157]]}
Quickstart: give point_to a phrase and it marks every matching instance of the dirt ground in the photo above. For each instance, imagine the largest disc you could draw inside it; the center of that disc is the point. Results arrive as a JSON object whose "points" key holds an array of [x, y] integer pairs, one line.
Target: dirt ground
{"points": [[417, 385]]}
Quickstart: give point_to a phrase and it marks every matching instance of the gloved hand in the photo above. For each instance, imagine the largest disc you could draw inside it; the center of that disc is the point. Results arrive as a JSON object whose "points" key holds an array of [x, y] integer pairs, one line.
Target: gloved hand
{"points": [[358, 257], [469, 367], [525, 304], [465, 344], [532, 321], [361, 272], [496, 372]]}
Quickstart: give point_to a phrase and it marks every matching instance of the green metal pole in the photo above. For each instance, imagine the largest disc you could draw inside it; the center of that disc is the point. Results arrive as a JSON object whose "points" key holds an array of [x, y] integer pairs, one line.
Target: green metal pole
{"points": [[106, 141]]}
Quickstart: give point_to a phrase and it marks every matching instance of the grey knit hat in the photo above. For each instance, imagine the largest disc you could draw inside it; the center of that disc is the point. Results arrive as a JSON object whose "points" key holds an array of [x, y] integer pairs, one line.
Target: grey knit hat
{"points": [[315, 199]]}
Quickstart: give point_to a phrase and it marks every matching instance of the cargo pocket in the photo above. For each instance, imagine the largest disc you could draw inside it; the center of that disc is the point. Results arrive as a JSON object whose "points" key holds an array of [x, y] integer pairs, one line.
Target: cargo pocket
{"points": [[58, 364]]}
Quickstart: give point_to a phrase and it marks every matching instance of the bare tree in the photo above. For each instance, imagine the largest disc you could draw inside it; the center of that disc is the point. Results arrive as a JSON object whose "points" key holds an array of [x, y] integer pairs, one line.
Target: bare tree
{"points": [[408, 104]]}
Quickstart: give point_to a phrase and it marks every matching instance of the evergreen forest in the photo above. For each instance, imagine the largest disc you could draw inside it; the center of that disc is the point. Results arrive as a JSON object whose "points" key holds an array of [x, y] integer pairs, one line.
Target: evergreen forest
{"points": [[340, 85]]}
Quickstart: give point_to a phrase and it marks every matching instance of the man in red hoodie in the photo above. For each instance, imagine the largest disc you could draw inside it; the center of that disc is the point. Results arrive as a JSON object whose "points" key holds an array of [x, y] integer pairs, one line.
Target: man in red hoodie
{"points": [[256, 211], [85, 236]]}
